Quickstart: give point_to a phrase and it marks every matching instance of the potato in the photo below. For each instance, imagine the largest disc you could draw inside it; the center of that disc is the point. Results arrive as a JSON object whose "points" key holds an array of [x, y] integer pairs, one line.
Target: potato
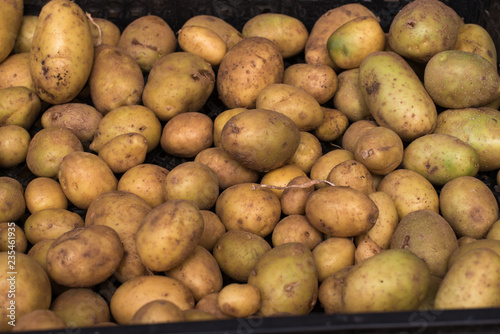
{"points": [[365, 249], [80, 118], [85, 256], [203, 42], [14, 144], [115, 80], [293, 198], [176, 225], [31, 285], [213, 229], [124, 151], [25, 34], [341, 211], [326, 162], [239, 300], [12, 237], [409, 191], [11, 17], [81, 307], [39, 320], [350, 43], [210, 304], [146, 181], [470, 216], [233, 203], [260, 139], [229, 171], [333, 125], [441, 158], [157, 311], [246, 69], [348, 97], [395, 96], [12, 203], [490, 244], [19, 105], [229, 34], [104, 31], [126, 119], [289, 33], [15, 71], [280, 177], [178, 82], [494, 231], [194, 182], [146, 39], [237, 252], [296, 228], [316, 51], [333, 255], [83, 176], [474, 38], [319, 80], [187, 134], [44, 193], [354, 132], [478, 127], [446, 73], [50, 224], [330, 291], [221, 120], [62, 52], [307, 153], [353, 174], [133, 294]]}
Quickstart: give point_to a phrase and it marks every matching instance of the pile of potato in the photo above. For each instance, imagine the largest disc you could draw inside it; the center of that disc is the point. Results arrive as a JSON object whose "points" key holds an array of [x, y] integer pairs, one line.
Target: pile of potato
{"points": [[344, 183]]}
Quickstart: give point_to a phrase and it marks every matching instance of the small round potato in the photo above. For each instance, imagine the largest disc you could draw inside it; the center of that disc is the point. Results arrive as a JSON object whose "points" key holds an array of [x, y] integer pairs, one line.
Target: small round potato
{"points": [[203, 42], [348, 98], [19, 105], [51, 224], [44, 193], [124, 151], [104, 32], [307, 153], [334, 124], [296, 228], [326, 162], [332, 255], [294, 197], [15, 71], [354, 131], [39, 320], [157, 311], [229, 34], [12, 203], [12, 237], [14, 144], [239, 300], [354, 174]]}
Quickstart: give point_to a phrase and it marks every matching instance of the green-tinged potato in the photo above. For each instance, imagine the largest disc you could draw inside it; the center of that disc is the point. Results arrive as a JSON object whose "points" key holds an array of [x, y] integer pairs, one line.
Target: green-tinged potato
{"points": [[308, 151], [294, 102], [348, 97], [124, 151], [147, 39], [333, 255], [229, 34], [203, 42], [25, 34], [47, 149], [316, 51], [221, 119], [326, 162], [340, 211], [194, 182], [423, 28], [157, 311], [447, 72], [393, 280], [260, 139], [474, 38], [296, 228], [409, 191], [287, 279], [116, 79], [213, 229], [379, 149], [50, 224], [200, 272], [62, 52], [237, 252], [233, 203], [84, 176], [84, 256], [387, 221], [133, 294], [441, 158], [353, 174], [14, 144], [12, 203], [354, 132], [178, 82], [293, 198], [278, 178], [31, 285], [350, 43], [289, 33], [210, 304], [19, 105], [44, 193], [429, 236], [169, 234], [39, 320], [187, 134], [229, 171], [468, 215], [81, 307], [146, 181], [246, 69], [395, 96], [12, 237], [11, 17], [473, 281], [104, 32], [239, 300], [479, 127], [126, 119], [494, 231], [330, 291], [15, 71], [333, 126], [490, 244], [319, 80]]}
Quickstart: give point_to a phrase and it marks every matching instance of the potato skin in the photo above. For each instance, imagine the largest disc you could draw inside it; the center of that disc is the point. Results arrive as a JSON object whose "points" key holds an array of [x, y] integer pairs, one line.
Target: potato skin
{"points": [[204, 42], [15, 71], [62, 52], [19, 105], [11, 16]]}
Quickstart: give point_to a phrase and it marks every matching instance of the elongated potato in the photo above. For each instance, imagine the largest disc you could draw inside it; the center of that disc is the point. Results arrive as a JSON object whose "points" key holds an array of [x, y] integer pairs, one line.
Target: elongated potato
{"points": [[229, 34], [203, 42], [11, 17]]}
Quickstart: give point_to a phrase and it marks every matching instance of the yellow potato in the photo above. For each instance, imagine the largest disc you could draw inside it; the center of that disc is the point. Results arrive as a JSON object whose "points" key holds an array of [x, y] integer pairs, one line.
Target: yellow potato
{"points": [[124, 151], [157, 311], [280, 177], [333, 126], [15, 71], [44, 193], [50, 224], [11, 17], [25, 33], [210, 304], [474, 38], [39, 320], [239, 300], [203, 42], [326, 162], [353, 174], [213, 229], [348, 97], [19, 105], [296, 228], [221, 119], [14, 145], [104, 32], [12, 203], [229, 34], [294, 197], [332, 255], [354, 132], [12, 238], [307, 153]]}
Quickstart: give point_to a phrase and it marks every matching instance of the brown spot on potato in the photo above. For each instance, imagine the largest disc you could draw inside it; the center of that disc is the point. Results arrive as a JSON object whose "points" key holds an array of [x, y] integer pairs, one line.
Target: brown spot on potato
{"points": [[373, 88]]}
